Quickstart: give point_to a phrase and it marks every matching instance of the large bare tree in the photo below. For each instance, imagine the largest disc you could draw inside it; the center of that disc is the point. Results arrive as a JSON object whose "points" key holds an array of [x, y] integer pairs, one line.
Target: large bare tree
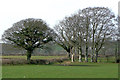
{"points": [[61, 37], [102, 25], [86, 31], [70, 32]]}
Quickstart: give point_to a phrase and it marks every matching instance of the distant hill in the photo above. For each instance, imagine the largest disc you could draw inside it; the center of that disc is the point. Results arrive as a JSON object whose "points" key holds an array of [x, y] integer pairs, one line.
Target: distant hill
{"points": [[1, 41], [11, 49]]}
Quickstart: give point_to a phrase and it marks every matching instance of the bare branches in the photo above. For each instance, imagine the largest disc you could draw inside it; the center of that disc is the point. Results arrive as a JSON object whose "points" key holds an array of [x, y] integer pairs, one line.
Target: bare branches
{"points": [[92, 25]]}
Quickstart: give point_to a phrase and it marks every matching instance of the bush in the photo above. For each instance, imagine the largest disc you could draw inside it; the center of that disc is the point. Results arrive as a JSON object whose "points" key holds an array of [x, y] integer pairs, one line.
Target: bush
{"points": [[37, 61]]}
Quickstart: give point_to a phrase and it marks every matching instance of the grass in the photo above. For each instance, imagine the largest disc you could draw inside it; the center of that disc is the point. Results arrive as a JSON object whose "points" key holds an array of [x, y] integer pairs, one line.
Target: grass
{"points": [[76, 70], [84, 70]]}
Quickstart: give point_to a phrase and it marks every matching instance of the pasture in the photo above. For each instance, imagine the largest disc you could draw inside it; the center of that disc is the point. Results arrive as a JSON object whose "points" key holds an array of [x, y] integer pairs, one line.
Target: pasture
{"points": [[100, 59], [59, 70], [81, 70]]}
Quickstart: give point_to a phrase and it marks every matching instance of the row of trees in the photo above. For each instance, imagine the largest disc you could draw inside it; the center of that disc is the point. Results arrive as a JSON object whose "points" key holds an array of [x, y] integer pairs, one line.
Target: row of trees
{"points": [[91, 27], [88, 30]]}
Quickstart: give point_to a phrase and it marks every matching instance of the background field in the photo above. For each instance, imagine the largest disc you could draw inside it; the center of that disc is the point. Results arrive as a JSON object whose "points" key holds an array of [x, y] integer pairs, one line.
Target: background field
{"points": [[100, 59]]}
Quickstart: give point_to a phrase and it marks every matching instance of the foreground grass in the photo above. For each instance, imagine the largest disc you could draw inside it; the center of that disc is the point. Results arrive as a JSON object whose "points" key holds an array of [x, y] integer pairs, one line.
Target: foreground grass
{"points": [[78, 70]]}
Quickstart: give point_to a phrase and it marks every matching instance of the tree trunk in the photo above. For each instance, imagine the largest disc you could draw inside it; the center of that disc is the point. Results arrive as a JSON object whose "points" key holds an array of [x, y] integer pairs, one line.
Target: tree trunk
{"points": [[92, 55], [72, 58], [86, 43], [93, 44], [80, 55], [86, 58], [92, 58], [80, 58], [29, 55], [116, 56], [96, 56], [86, 55], [117, 52], [72, 54], [69, 55]]}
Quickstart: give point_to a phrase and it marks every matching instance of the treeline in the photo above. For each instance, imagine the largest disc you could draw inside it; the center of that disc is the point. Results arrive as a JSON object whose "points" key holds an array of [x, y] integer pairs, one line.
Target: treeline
{"points": [[85, 31]]}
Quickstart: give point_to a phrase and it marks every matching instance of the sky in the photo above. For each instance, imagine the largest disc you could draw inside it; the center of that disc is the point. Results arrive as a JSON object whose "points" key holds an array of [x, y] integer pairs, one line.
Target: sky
{"points": [[51, 11]]}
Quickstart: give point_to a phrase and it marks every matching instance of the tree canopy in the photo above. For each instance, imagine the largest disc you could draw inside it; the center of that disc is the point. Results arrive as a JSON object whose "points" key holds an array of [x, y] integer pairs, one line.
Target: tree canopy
{"points": [[29, 34]]}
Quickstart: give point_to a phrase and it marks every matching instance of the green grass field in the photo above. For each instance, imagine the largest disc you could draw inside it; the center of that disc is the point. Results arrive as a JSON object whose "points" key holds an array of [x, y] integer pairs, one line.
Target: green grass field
{"points": [[81, 70], [57, 70]]}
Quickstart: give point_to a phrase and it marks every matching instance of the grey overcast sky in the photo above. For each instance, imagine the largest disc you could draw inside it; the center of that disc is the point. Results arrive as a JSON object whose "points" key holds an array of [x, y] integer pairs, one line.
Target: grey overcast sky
{"points": [[51, 11]]}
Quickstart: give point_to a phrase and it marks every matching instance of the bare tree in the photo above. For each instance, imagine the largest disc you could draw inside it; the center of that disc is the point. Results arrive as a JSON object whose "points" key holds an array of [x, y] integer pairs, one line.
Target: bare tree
{"points": [[61, 39], [102, 25], [90, 26], [66, 34], [70, 32], [79, 32]]}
